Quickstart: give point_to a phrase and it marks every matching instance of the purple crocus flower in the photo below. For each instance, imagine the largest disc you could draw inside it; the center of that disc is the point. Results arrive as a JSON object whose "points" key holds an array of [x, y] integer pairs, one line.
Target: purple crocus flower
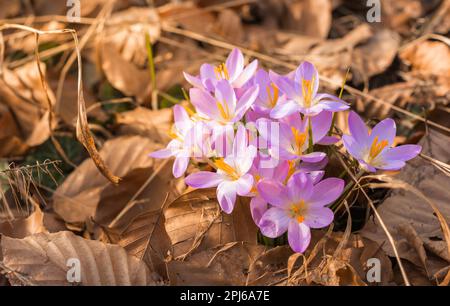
{"points": [[298, 207], [269, 94], [178, 147], [224, 107], [232, 177], [233, 70], [293, 139], [373, 149], [301, 94]]}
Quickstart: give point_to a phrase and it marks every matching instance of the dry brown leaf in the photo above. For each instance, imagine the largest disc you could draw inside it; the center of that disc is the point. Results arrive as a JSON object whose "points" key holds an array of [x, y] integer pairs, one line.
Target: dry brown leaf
{"points": [[11, 143], [309, 17], [122, 50], [224, 265], [77, 198], [194, 222], [9, 8], [23, 227], [21, 90], [406, 208], [43, 259]]}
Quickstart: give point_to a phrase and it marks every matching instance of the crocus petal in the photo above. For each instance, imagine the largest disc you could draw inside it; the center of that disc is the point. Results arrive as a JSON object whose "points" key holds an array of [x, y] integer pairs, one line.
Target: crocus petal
{"points": [[226, 195], [285, 85], [403, 153], [246, 101], [318, 217], [328, 140], [284, 109], [326, 192], [246, 75], [313, 157], [391, 165], [225, 95], [307, 71], [235, 63], [320, 125], [273, 192], [181, 118], [258, 206], [352, 146], [244, 184], [194, 81], [204, 103], [163, 153], [385, 130], [207, 72], [180, 166], [274, 222], [334, 106], [366, 166], [299, 236], [316, 176], [358, 128], [299, 187], [204, 179]]}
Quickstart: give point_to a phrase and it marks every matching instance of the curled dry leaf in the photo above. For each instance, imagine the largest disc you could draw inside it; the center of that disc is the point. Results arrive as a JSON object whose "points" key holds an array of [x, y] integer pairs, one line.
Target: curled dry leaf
{"points": [[195, 222], [22, 92], [309, 17], [122, 50], [43, 260], [405, 210], [223, 265], [23, 227], [77, 198]]}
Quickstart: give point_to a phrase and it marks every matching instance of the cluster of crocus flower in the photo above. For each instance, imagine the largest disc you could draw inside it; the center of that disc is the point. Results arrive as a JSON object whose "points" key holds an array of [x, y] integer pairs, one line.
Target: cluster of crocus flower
{"points": [[258, 131]]}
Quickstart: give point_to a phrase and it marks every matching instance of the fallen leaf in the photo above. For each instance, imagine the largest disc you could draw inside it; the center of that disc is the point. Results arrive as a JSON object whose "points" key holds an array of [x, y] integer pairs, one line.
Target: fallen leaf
{"points": [[23, 227], [194, 222], [44, 258]]}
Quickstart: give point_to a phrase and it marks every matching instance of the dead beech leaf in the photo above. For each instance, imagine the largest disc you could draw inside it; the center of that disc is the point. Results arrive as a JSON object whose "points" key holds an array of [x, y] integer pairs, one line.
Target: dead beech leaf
{"points": [[23, 227], [9, 8], [223, 265], [77, 197], [43, 259], [194, 222], [11, 143], [21, 90], [122, 50], [404, 207], [154, 124]]}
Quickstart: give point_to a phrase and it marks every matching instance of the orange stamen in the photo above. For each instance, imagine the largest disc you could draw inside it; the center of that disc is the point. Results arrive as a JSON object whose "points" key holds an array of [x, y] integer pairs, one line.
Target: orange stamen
{"points": [[230, 171], [377, 147]]}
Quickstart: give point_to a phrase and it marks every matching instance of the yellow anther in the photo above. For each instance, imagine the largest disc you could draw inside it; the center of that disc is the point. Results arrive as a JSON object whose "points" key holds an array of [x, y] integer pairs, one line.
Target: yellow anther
{"points": [[224, 111], [272, 99], [300, 139], [230, 171], [222, 72], [377, 147], [307, 91], [298, 211]]}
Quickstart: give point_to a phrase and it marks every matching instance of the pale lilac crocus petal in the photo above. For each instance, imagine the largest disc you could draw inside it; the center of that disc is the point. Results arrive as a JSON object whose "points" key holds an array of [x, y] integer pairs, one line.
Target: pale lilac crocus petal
{"points": [[326, 192], [352, 146], [163, 153], [385, 130], [194, 81], [358, 129], [204, 179], [246, 101], [392, 165], [180, 165], [235, 63], [274, 222], [299, 236], [273, 192], [262, 79], [240, 141], [284, 109], [246, 75], [312, 111], [285, 85], [366, 166], [207, 72], [316, 176], [244, 184], [300, 187], [308, 167], [226, 195], [318, 217], [328, 140], [181, 118], [307, 71], [313, 157], [225, 95], [204, 103], [403, 153], [320, 125], [258, 206], [334, 106]]}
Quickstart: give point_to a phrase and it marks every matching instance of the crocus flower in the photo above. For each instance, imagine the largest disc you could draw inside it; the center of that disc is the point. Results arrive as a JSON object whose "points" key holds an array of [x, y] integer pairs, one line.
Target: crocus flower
{"points": [[233, 70], [178, 146], [224, 107], [269, 94], [298, 207], [232, 177], [301, 94], [373, 149], [293, 140]]}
